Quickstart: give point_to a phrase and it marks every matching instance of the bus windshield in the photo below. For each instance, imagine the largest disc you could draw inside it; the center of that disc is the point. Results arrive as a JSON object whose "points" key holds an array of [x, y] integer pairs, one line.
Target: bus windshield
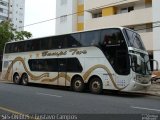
{"points": [[134, 39], [140, 63]]}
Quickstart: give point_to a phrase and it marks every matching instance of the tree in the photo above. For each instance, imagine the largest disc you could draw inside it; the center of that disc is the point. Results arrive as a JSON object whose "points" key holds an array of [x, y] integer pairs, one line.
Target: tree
{"points": [[8, 33]]}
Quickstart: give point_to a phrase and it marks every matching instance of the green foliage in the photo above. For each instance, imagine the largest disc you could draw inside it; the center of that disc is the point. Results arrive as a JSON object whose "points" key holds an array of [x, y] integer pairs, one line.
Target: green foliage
{"points": [[8, 33]]}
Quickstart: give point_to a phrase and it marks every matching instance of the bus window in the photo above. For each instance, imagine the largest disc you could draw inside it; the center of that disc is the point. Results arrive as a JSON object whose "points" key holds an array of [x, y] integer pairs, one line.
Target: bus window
{"points": [[15, 47], [55, 65], [56, 42], [46, 43], [115, 50], [20, 46], [35, 45], [8, 48], [29, 46], [112, 37], [45, 65], [52, 65], [134, 39], [73, 40], [73, 65], [62, 64], [90, 38]]}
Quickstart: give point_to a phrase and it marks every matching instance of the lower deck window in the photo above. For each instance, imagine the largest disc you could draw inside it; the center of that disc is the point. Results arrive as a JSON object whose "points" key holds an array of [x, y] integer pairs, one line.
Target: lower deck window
{"points": [[55, 65]]}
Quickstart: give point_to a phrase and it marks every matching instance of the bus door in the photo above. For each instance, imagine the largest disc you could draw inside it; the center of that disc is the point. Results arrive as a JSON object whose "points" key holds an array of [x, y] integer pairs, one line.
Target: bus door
{"points": [[62, 63], [122, 68]]}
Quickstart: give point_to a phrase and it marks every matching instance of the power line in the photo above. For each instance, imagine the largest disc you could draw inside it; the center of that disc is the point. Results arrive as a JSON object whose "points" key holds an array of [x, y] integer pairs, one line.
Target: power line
{"points": [[89, 11], [73, 13]]}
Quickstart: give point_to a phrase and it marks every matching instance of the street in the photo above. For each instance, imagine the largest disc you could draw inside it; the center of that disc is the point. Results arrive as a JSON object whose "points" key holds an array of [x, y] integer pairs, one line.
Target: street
{"points": [[49, 100]]}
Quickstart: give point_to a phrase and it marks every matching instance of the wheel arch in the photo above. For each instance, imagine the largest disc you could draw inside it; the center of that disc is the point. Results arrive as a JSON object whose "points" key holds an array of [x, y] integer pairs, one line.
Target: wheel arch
{"points": [[73, 77], [24, 73]]}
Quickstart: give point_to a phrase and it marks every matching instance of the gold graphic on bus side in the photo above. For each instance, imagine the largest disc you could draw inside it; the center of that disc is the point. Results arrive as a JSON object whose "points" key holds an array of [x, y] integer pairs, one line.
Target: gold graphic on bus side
{"points": [[63, 75], [61, 53], [87, 74], [33, 77], [68, 78]]}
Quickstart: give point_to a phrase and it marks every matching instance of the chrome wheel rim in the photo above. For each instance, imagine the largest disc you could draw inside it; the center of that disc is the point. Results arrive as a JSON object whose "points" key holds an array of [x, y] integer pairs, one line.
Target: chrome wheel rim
{"points": [[96, 85], [78, 84]]}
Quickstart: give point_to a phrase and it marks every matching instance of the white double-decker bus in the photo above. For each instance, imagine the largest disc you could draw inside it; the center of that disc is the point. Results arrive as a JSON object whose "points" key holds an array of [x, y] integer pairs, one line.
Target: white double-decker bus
{"points": [[110, 58]]}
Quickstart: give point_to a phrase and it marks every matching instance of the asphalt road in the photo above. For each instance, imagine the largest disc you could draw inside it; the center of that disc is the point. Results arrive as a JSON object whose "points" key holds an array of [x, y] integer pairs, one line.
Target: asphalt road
{"points": [[39, 99]]}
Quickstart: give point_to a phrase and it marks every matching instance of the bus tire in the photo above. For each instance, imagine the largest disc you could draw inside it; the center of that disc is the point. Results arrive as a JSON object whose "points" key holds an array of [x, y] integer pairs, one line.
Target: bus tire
{"points": [[95, 85], [78, 84], [25, 79], [16, 79]]}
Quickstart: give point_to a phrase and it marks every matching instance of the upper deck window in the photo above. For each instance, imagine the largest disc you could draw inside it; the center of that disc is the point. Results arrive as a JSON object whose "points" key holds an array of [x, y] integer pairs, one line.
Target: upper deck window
{"points": [[112, 37], [134, 39]]}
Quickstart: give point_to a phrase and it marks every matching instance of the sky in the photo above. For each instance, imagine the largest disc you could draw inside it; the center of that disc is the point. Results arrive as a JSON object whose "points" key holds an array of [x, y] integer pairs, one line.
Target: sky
{"points": [[40, 10]]}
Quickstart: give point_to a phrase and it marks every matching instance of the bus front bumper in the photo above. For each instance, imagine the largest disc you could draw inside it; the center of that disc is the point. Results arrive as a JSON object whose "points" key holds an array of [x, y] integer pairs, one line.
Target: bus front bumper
{"points": [[138, 87]]}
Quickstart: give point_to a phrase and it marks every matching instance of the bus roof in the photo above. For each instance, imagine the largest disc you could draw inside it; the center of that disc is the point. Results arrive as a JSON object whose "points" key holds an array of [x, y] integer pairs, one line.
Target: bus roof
{"points": [[66, 34]]}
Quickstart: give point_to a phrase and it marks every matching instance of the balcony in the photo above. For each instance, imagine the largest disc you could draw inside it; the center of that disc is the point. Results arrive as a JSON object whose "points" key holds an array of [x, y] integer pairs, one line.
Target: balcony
{"points": [[95, 4], [135, 17]]}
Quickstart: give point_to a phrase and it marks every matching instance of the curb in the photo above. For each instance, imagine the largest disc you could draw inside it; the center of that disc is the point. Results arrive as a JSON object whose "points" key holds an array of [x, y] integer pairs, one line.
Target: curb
{"points": [[153, 94], [3, 81]]}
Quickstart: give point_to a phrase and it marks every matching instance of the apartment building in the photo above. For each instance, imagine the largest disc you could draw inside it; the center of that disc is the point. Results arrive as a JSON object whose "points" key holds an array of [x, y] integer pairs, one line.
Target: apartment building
{"points": [[13, 10], [16, 15], [140, 15], [4, 10]]}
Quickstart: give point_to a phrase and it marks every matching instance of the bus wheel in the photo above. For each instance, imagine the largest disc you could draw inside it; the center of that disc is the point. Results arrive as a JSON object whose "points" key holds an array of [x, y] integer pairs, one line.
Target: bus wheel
{"points": [[16, 79], [95, 86], [25, 79], [78, 84]]}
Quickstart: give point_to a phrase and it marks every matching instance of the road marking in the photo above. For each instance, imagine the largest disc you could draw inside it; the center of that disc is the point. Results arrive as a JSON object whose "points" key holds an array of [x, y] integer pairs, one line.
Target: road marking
{"points": [[11, 111], [157, 110], [49, 95], [17, 113]]}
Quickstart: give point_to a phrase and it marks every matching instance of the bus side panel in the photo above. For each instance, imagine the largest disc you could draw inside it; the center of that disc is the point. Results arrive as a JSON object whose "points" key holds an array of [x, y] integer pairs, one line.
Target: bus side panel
{"points": [[100, 67], [7, 68]]}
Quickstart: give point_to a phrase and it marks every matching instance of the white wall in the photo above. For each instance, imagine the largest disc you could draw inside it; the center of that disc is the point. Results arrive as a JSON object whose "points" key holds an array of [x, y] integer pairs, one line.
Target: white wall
{"points": [[156, 30], [69, 25]]}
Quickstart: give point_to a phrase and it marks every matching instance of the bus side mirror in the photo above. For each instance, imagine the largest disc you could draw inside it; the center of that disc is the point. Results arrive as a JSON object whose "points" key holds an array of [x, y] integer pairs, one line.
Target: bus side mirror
{"points": [[155, 65]]}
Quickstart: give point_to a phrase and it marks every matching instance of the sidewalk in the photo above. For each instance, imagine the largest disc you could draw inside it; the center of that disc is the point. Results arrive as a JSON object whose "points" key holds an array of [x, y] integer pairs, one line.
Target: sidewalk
{"points": [[154, 89]]}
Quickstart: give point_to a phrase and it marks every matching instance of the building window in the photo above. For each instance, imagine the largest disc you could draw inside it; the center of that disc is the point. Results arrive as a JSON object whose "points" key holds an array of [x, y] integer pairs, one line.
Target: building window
{"points": [[1, 10], [2, 17], [96, 15], [63, 2], [127, 9], [3, 3], [63, 18], [130, 9]]}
